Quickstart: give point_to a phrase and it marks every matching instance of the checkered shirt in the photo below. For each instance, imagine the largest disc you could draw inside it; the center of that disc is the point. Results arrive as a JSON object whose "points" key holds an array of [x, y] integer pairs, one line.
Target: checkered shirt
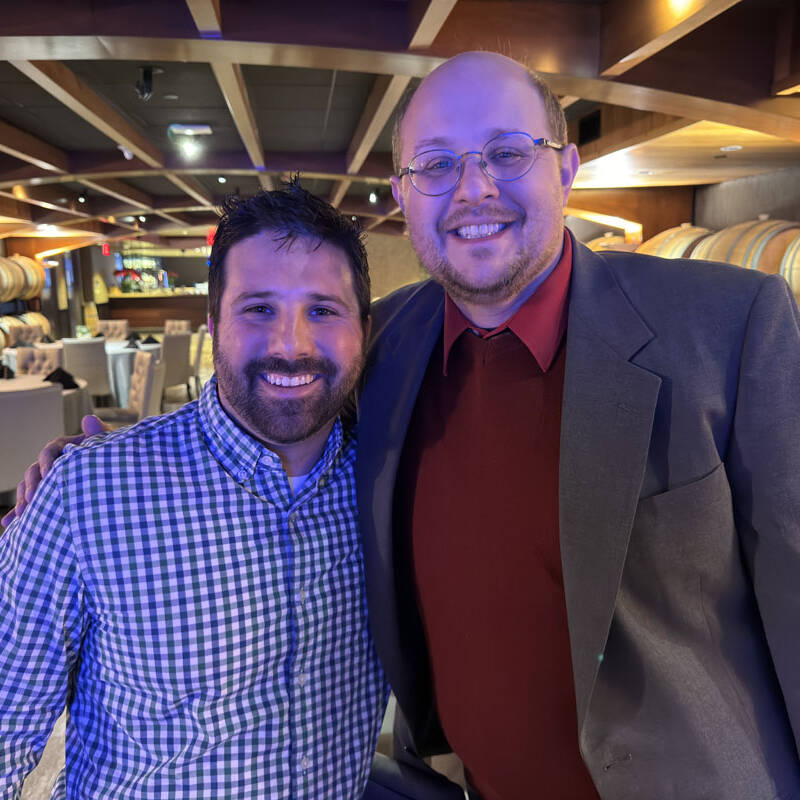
{"points": [[206, 628]]}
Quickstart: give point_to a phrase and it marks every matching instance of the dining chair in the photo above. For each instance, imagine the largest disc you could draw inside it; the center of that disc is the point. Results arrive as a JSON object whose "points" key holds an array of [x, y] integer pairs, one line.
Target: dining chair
{"points": [[28, 420], [175, 355], [139, 397], [197, 357], [86, 358], [23, 335], [34, 361], [177, 326], [113, 330]]}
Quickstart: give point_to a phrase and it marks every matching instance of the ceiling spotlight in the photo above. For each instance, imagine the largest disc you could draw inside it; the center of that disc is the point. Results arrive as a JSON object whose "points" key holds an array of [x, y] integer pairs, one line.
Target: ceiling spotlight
{"points": [[81, 199], [171, 97], [142, 218], [373, 197], [731, 148], [354, 218], [126, 154], [127, 219], [222, 179], [189, 147]]}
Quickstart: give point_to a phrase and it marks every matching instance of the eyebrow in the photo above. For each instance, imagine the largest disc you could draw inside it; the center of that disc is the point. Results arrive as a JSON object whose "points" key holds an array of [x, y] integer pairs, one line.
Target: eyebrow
{"points": [[439, 142], [266, 294]]}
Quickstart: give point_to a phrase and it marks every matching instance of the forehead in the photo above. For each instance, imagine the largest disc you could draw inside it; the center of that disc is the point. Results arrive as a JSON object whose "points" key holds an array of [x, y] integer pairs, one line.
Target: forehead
{"points": [[262, 262], [467, 101]]}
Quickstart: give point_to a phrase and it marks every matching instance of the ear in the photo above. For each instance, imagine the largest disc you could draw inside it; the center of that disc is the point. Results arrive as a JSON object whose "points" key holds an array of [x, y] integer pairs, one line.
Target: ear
{"points": [[397, 191], [570, 161]]}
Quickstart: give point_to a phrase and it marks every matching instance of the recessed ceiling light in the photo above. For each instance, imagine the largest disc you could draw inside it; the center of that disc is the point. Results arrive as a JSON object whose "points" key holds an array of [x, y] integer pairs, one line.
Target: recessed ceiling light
{"points": [[730, 148], [179, 129], [354, 218], [142, 218], [189, 147], [81, 199], [126, 154], [127, 219], [170, 97], [222, 179], [373, 197]]}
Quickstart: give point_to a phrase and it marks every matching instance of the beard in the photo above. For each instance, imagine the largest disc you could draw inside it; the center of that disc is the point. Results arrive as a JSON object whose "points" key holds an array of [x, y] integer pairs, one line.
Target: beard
{"points": [[290, 420], [530, 260]]}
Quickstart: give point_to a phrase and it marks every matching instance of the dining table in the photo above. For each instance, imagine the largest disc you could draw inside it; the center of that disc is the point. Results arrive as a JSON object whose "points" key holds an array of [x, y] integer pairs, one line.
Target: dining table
{"points": [[119, 356], [77, 402]]}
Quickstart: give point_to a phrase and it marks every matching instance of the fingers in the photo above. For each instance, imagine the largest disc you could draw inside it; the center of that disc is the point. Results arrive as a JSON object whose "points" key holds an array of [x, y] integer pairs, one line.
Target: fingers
{"points": [[91, 425], [50, 452]]}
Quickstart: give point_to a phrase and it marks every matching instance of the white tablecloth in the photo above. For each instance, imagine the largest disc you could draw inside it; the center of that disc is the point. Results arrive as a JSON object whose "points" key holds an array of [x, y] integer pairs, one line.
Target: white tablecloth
{"points": [[120, 366], [77, 402]]}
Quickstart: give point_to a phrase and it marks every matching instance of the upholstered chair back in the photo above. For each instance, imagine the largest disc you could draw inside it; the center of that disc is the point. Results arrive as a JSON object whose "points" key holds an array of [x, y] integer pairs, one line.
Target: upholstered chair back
{"points": [[113, 329], [24, 334], [177, 326], [86, 358], [141, 383], [36, 361]]}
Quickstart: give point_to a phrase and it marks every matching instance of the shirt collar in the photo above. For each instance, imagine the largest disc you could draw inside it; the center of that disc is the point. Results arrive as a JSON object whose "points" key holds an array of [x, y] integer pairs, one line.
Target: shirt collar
{"points": [[539, 323], [237, 451]]}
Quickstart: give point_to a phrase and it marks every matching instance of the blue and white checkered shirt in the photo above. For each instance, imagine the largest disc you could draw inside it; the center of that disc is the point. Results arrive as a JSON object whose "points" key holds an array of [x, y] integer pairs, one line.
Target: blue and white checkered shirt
{"points": [[206, 628]]}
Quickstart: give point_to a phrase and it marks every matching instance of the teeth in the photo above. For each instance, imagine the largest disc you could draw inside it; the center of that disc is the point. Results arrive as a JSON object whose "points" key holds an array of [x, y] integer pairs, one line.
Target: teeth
{"points": [[285, 380], [479, 231]]}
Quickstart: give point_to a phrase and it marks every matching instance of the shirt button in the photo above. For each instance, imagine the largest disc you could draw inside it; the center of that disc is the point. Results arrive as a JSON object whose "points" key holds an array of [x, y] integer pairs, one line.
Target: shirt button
{"points": [[302, 678], [302, 595], [305, 763]]}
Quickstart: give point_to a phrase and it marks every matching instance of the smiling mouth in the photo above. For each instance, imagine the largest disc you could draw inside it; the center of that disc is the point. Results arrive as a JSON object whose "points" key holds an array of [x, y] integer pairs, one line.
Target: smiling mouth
{"points": [[288, 380], [479, 231]]}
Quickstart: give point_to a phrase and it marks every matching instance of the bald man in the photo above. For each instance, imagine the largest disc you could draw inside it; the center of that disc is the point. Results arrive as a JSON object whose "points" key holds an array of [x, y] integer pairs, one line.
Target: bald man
{"points": [[577, 480]]}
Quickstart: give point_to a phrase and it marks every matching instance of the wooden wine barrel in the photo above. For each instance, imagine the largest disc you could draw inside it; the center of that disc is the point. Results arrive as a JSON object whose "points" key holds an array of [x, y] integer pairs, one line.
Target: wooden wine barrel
{"points": [[12, 280], [609, 241], [758, 244], [674, 242], [8, 322], [37, 318], [34, 277], [790, 265]]}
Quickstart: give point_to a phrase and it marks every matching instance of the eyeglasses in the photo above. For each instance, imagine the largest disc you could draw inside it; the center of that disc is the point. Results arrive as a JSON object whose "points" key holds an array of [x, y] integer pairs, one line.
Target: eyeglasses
{"points": [[506, 157]]}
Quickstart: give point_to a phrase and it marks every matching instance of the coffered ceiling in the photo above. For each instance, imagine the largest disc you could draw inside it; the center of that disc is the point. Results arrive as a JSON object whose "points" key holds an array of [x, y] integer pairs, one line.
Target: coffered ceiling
{"points": [[657, 93]]}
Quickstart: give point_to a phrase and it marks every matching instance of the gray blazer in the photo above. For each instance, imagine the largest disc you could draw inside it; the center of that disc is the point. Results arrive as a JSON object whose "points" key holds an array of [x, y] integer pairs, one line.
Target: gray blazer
{"points": [[679, 487]]}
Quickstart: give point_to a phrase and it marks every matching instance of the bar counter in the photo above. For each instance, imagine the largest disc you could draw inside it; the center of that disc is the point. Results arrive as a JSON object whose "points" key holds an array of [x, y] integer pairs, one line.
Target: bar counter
{"points": [[150, 310]]}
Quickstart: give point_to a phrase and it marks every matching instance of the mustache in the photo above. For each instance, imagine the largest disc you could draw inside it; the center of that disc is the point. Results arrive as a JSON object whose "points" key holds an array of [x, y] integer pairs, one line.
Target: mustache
{"points": [[301, 366], [467, 216]]}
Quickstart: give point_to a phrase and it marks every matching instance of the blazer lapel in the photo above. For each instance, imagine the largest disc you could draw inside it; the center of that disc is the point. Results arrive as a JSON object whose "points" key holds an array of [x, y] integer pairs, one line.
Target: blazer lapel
{"points": [[606, 423], [395, 368]]}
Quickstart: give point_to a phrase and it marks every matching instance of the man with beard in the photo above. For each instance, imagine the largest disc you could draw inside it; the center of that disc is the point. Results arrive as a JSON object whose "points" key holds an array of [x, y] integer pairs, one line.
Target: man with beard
{"points": [[577, 478], [192, 587]]}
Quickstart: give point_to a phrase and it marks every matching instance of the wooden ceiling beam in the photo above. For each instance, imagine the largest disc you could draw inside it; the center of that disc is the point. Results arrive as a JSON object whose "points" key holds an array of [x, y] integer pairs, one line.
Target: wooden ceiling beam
{"points": [[13, 209], [192, 187], [232, 85], [111, 187], [428, 16], [207, 16], [53, 198], [63, 84], [27, 147], [676, 104], [635, 30]]}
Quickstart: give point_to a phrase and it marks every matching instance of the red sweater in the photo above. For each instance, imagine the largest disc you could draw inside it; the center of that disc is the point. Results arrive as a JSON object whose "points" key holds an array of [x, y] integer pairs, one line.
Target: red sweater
{"points": [[478, 496]]}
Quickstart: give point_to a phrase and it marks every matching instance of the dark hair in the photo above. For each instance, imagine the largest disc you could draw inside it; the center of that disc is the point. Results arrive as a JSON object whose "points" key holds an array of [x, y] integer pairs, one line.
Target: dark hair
{"points": [[291, 212], [556, 120]]}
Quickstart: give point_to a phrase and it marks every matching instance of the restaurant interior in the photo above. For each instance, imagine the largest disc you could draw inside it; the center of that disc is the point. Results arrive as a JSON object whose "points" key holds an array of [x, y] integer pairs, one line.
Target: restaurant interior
{"points": [[123, 125]]}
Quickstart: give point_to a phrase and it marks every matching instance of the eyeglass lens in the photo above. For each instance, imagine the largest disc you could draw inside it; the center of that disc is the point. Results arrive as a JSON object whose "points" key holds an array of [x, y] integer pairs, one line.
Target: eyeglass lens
{"points": [[505, 158]]}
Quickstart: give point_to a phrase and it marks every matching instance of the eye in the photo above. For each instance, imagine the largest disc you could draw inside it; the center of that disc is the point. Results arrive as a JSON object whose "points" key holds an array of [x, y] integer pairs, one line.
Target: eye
{"points": [[322, 311], [504, 155], [259, 309], [435, 163]]}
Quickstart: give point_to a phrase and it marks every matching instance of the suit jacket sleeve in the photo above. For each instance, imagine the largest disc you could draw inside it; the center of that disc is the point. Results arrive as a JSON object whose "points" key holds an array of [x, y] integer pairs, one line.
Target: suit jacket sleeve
{"points": [[763, 464]]}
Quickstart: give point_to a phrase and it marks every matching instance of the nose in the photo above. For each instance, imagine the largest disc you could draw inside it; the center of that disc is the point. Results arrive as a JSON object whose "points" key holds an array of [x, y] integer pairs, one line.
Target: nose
{"points": [[475, 185], [292, 336]]}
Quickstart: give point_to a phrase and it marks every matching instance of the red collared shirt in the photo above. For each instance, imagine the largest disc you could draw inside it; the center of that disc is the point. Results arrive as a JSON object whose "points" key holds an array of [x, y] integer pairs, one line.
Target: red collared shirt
{"points": [[539, 323]]}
